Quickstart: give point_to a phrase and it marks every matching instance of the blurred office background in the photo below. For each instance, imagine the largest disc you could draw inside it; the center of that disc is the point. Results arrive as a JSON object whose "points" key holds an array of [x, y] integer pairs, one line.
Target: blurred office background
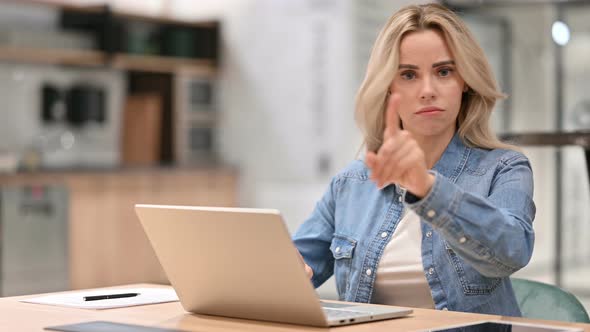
{"points": [[246, 103]]}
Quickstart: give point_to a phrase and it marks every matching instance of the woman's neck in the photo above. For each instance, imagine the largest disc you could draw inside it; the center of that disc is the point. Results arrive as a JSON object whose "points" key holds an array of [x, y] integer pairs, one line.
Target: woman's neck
{"points": [[434, 146]]}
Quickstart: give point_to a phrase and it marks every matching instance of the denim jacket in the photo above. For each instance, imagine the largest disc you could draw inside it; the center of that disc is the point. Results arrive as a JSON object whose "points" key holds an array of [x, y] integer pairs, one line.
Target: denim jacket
{"points": [[476, 226]]}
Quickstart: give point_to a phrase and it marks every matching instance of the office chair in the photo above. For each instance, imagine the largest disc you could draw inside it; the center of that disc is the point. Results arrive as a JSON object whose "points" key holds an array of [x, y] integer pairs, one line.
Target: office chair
{"points": [[543, 301]]}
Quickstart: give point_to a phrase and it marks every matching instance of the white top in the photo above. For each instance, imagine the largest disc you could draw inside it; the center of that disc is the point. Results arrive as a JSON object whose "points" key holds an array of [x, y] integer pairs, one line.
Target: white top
{"points": [[400, 278]]}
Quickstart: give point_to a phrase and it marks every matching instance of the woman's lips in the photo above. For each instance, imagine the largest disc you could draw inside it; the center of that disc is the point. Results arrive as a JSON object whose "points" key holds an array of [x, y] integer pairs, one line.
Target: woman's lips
{"points": [[429, 110]]}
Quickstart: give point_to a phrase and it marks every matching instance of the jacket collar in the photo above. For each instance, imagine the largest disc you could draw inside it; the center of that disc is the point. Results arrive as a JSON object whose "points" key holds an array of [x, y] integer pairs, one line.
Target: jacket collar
{"points": [[453, 160]]}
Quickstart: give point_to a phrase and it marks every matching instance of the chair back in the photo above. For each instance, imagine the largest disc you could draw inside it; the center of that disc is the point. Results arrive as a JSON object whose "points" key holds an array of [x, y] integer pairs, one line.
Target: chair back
{"points": [[543, 301]]}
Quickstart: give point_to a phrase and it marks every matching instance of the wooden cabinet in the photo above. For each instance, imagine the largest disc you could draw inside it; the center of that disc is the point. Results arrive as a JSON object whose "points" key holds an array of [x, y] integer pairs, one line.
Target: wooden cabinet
{"points": [[121, 40], [107, 245], [159, 56]]}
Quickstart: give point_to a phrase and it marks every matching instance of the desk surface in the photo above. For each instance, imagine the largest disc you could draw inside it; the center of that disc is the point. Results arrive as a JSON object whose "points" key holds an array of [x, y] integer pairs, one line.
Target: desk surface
{"points": [[18, 316]]}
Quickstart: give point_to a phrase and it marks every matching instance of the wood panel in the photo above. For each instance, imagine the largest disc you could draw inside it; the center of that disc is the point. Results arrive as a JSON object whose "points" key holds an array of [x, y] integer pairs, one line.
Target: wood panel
{"points": [[74, 57], [141, 141], [107, 244], [93, 58]]}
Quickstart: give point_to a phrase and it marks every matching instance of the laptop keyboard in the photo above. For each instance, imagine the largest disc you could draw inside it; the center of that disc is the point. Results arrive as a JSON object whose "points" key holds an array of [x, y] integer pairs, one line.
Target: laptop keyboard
{"points": [[335, 305], [338, 313]]}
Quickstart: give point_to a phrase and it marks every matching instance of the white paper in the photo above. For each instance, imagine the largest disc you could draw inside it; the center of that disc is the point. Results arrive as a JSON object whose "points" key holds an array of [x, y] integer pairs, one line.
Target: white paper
{"points": [[76, 299]]}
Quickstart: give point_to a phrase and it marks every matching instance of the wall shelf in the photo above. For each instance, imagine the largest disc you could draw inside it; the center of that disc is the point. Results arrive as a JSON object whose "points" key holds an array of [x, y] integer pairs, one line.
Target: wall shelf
{"points": [[161, 64], [109, 27], [73, 57], [98, 9], [92, 58]]}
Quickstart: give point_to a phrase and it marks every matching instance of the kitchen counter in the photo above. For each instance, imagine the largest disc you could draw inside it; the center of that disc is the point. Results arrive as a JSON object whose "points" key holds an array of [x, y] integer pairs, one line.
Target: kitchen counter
{"points": [[106, 243]]}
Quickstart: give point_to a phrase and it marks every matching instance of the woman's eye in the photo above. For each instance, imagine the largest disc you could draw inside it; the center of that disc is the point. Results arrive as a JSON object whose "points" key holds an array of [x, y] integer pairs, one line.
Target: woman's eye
{"points": [[444, 72], [408, 75]]}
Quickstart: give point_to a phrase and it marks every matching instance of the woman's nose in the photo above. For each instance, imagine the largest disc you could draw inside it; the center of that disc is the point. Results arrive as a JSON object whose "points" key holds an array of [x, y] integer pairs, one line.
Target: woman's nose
{"points": [[428, 91]]}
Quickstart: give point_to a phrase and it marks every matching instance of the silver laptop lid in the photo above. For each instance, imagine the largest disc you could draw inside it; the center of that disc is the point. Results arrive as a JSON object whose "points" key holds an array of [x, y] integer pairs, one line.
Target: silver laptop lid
{"points": [[232, 262]]}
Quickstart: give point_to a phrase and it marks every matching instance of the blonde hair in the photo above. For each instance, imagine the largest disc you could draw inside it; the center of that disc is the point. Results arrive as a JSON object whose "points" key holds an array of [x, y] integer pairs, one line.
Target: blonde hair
{"points": [[473, 121]]}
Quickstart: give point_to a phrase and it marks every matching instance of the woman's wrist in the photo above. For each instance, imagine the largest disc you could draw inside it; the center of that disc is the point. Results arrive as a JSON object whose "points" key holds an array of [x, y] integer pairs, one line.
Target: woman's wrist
{"points": [[424, 188]]}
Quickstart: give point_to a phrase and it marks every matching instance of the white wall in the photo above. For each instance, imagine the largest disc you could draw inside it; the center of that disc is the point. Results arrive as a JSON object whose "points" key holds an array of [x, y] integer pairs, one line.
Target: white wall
{"points": [[533, 109], [290, 67], [290, 74], [576, 207]]}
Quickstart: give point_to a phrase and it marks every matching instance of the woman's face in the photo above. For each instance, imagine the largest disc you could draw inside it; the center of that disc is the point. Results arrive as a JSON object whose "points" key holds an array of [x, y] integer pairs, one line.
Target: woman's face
{"points": [[427, 84]]}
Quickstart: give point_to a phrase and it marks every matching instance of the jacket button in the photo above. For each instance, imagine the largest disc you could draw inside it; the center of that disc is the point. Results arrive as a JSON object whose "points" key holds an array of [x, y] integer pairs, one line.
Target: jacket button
{"points": [[431, 271], [384, 234], [445, 309], [463, 240], [369, 272], [431, 213], [337, 249], [428, 234]]}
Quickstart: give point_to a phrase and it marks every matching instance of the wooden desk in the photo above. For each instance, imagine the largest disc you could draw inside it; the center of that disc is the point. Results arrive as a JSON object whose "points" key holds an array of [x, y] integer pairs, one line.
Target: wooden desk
{"points": [[18, 316]]}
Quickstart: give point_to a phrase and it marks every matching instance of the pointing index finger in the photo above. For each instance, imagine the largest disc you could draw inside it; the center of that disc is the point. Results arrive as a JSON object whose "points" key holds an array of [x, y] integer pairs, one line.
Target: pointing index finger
{"points": [[392, 121]]}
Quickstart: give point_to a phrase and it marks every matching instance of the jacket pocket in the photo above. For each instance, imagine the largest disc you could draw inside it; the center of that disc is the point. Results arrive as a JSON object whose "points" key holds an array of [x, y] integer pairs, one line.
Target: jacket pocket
{"points": [[342, 249], [472, 282]]}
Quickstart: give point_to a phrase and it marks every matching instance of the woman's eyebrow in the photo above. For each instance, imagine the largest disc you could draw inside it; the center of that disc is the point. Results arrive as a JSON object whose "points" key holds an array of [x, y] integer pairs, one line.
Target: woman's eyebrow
{"points": [[434, 65], [408, 66], [442, 63]]}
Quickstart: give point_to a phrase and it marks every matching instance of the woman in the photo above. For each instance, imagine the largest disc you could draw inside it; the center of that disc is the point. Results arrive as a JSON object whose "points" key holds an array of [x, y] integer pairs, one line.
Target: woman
{"points": [[439, 214]]}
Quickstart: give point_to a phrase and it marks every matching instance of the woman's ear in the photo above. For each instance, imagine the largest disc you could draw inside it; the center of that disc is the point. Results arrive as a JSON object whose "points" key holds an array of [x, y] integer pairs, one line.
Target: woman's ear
{"points": [[465, 87]]}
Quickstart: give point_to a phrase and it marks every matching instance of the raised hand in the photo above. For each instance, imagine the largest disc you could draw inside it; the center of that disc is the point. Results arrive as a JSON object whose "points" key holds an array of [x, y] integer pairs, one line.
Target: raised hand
{"points": [[400, 159], [308, 269]]}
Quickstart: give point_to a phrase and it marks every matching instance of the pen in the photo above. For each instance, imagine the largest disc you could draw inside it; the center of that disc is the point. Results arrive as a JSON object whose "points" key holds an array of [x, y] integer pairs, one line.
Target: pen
{"points": [[109, 296]]}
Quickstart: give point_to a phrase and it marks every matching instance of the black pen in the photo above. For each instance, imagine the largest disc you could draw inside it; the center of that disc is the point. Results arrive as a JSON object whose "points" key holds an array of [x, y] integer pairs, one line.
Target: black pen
{"points": [[109, 296]]}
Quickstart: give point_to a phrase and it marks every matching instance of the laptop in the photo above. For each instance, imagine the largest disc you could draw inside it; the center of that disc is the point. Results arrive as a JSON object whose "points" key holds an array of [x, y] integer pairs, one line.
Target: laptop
{"points": [[241, 263]]}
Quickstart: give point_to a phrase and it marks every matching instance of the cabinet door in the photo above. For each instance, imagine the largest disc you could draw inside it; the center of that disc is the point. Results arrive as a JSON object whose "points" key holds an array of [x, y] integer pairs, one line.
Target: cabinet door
{"points": [[109, 246], [34, 239]]}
